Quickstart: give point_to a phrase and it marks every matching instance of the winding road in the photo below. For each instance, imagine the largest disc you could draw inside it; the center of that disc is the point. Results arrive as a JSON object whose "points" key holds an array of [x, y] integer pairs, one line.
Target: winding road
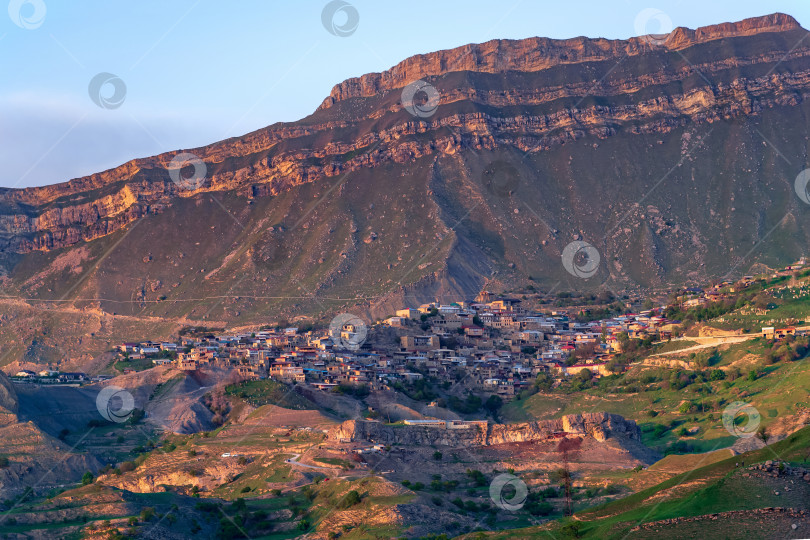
{"points": [[296, 462]]}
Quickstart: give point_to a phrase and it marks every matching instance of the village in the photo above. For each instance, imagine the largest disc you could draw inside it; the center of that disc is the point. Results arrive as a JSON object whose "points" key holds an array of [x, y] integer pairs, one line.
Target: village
{"points": [[493, 343], [499, 346], [496, 345]]}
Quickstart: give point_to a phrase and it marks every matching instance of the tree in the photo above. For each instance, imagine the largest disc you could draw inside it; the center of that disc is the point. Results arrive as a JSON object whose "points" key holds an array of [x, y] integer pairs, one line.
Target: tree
{"points": [[493, 404], [351, 498], [87, 478], [539, 508], [477, 477], [585, 351], [571, 530], [544, 382], [437, 455]]}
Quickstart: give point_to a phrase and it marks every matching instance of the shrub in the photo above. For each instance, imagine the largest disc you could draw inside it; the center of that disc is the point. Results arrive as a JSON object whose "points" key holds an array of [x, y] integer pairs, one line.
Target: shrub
{"points": [[351, 498], [539, 508], [477, 477], [571, 530]]}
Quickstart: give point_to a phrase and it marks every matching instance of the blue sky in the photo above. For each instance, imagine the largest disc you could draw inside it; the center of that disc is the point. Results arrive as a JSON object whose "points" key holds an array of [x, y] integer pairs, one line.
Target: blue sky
{"points": [[198, 71]]}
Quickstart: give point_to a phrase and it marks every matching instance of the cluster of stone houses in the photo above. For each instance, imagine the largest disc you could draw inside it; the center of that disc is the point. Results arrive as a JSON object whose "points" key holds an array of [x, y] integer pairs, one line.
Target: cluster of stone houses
{"points": [[494, 344], [50, 376]]}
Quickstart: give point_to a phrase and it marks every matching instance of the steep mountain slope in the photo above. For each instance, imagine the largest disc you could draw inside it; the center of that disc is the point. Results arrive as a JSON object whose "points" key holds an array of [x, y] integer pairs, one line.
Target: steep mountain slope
{"points": [[674, 158], [759, 494]]}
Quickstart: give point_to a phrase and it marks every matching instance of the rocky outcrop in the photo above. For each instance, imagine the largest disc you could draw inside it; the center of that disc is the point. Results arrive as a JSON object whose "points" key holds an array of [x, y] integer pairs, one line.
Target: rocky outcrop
{"points": [[732, 517], [535, 54], [8, 401], [598, 426], [536, 108]]}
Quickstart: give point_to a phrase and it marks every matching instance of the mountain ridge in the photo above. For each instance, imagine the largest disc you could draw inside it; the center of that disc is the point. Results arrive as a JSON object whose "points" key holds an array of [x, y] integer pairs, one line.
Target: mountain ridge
{"points": [[259, 164], [362, 203], [682, 36], [537, 53]]}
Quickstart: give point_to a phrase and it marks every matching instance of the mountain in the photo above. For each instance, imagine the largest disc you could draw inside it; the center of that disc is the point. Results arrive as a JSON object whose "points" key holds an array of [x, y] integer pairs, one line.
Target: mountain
{"points": [[674, 156]]}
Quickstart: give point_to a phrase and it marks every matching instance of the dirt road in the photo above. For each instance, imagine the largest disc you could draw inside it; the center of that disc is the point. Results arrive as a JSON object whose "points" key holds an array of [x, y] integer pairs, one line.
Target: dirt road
{"points": [[294, 461], [704, 343]]}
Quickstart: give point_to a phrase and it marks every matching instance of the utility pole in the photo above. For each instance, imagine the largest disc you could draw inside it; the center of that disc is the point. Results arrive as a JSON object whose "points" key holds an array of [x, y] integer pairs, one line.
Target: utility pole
{"points": [[568, 448]]}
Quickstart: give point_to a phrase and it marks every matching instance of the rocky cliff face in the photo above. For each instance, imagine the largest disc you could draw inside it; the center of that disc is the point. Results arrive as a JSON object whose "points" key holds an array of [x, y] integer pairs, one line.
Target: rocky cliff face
{"points": [[286, 155], [652, 152], [599, 426], [536, 54]]}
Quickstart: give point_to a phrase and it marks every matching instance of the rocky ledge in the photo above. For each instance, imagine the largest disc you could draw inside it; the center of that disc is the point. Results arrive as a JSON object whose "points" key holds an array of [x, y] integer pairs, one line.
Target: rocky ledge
{"points": [[535, 54], [599, 426], [534, 112]]}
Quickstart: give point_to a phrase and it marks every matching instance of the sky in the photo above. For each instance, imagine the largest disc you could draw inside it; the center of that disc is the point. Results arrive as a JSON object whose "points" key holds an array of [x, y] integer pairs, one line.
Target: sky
{"points": [[89, 85]]}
